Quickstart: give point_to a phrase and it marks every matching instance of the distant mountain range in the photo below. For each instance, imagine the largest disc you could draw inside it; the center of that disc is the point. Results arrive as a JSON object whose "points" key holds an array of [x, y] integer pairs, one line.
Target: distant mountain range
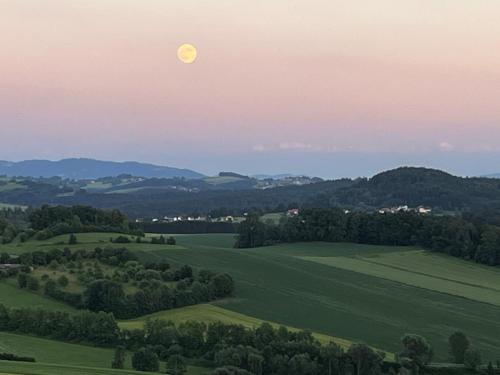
{"points": [[493, 175], [90, 168]]}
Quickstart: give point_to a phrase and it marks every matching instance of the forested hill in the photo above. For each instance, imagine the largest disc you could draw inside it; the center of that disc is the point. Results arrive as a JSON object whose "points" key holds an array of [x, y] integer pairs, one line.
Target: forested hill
{"points": [[421, 186], [402, 186]]}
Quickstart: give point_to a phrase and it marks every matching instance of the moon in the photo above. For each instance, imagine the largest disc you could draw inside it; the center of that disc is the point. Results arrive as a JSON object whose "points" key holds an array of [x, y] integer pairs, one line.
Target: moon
{"points": [[187, 53]]}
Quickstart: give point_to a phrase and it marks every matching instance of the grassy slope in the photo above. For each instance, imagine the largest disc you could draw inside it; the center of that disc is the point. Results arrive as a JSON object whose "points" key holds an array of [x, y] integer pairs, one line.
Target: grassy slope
{"points": [[211, 313], [55, 357], [49, 351], [480, 286], [275, 284], [85, 241], [12, 296]]}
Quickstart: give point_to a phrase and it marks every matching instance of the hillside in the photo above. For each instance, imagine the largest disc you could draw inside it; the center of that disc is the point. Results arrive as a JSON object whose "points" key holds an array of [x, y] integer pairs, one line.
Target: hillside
{"points": [[152, 197], [358, 293], [90, 168]]}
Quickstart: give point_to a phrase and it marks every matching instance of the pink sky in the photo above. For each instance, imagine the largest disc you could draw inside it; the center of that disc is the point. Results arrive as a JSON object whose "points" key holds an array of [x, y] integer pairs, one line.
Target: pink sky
{"points": [[100, 78]]}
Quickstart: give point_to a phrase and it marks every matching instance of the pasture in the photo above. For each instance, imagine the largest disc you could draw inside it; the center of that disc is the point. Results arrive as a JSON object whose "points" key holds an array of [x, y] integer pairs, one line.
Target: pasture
{"points": [[426, 270], [276, 284], [12, 296], [55, 357]]}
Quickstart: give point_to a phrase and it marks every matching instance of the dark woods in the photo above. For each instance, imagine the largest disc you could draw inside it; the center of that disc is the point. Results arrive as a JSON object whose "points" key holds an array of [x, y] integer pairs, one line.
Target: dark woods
{"points": [[447, 234]]}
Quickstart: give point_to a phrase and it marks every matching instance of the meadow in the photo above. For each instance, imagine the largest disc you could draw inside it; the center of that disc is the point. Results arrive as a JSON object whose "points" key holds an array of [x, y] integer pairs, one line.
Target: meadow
{"points": [[306, 286], [276, 284], [55, 357], [212, 313], [12, 296], [429, 271]]}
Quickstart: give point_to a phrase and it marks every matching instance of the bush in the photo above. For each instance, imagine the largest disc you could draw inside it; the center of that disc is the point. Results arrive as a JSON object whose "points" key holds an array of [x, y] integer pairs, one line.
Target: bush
{"points": [[119, 359], [33, 283], [122, 239], [15, 357], [72, 239], [145, 360], [63, 281], [22, 280], [472, 359], [176, 365]]}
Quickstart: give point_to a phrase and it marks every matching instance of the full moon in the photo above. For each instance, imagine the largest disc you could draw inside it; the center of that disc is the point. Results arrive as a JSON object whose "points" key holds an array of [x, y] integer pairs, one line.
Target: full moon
{"points": [[187, 53]]}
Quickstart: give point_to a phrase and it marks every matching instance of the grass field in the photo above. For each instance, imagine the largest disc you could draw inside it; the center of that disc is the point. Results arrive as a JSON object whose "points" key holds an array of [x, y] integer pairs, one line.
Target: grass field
{"points": [[85, 241], [356, 303], [275, 217], [55, 357], [12, 296], [212, 313], [425, 270], [11, 186], [276, 284]]}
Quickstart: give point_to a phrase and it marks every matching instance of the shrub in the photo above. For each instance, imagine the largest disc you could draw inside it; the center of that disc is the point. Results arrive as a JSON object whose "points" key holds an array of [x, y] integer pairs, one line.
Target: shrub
{"points": [[15, 357], [33, 283], [63, 281], [145, 360]]}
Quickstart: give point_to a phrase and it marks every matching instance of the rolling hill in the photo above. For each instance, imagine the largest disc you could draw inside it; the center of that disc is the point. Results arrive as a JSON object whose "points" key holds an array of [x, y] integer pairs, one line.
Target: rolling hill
{"points": [[358, 293], [90, 168]]}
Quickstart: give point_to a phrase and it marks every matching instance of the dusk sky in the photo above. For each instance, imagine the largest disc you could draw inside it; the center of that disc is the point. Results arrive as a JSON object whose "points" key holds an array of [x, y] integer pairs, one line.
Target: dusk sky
{"points": [[321, 87]]}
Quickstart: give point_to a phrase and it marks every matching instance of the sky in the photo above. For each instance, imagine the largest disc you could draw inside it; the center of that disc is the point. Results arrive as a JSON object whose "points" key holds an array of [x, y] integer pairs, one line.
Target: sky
{"points": [[320, 87]]}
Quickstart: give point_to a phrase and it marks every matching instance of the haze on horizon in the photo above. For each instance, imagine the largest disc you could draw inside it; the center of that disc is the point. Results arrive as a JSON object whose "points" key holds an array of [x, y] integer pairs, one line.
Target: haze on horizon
{"points": [[320, 87]]}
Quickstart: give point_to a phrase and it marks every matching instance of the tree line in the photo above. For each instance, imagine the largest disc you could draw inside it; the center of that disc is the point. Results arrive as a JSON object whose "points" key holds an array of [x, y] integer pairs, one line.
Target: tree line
{"points": [[48, 221], [231, 348], [452, 235]]}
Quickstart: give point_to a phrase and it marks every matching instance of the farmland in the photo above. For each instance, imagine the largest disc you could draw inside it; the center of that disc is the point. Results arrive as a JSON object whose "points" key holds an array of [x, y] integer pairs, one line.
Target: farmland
{"points": [[214, 313], [376, 299], [428, 271], [12, 296], [54, 357], [276, 284]]}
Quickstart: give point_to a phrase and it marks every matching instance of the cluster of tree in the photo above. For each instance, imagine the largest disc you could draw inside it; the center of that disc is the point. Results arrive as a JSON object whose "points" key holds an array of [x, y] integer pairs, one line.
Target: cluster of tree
{"points": [[162, 240], [13, 223], [154, 295], [108, 255], [50, 221], [449, 234], [15, 358], [105, 292], [190, 227], [462, 352], [233, 349], [25, 280], [97, 328], [411, 186]]}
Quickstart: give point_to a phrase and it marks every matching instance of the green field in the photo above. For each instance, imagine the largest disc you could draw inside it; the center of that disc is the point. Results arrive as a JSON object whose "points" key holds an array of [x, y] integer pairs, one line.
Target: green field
{"points": [[274, 218], [10, 185], [276, 284], [85, 241], [359, 293], [426, 270], [212, 313], [55, 357], [12, 296]]}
